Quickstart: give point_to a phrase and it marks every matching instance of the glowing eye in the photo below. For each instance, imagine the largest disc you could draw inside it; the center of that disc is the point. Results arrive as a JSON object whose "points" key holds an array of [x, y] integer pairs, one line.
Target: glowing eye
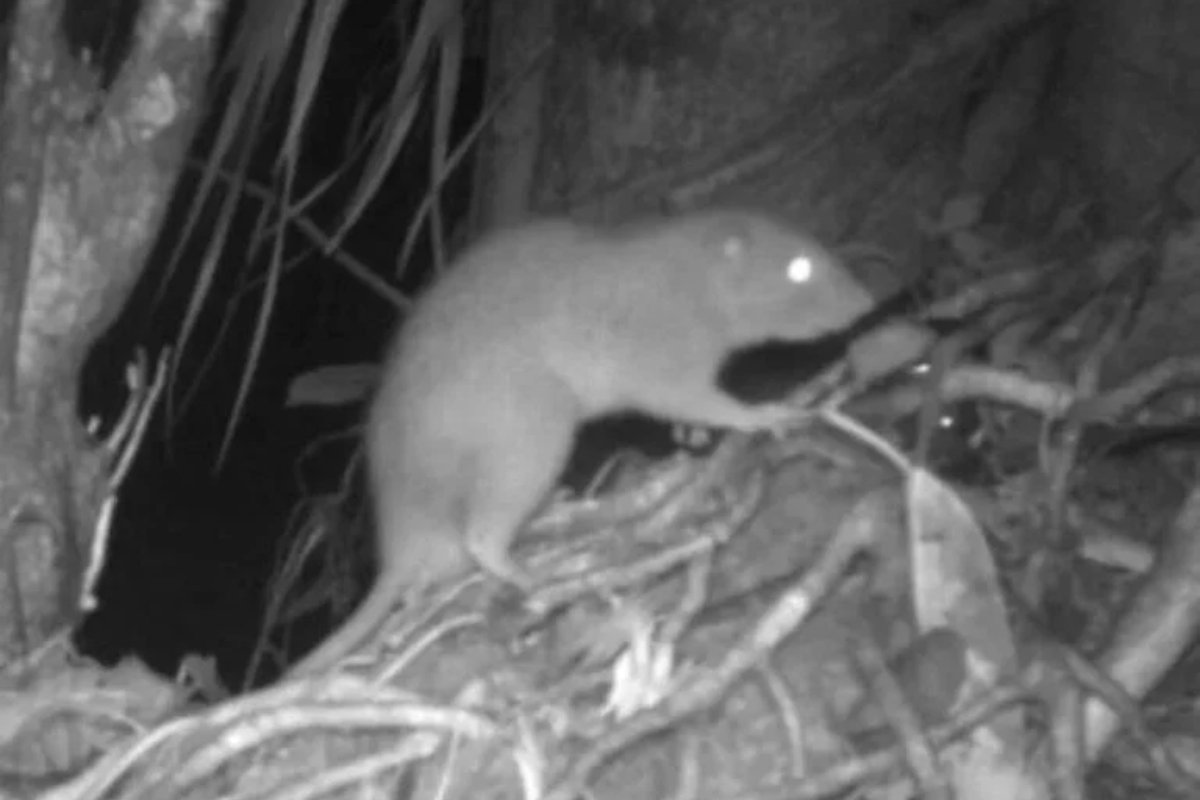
{"points": [[800, 269]]}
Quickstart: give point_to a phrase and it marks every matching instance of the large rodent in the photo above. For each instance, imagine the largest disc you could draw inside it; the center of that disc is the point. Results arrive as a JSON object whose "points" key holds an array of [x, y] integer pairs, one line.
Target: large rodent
{"points": [[540, 327]]}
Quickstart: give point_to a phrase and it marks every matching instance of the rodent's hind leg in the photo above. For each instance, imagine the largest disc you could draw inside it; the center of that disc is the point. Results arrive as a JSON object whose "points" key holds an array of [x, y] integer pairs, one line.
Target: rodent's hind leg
{"points": [[516, 471], [502, 505], [496, 560]]}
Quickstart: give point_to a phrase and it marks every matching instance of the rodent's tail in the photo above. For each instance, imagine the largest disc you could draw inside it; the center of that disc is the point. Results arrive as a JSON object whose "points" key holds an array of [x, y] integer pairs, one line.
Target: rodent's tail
{"points": [[425, 557], [370, 614]]}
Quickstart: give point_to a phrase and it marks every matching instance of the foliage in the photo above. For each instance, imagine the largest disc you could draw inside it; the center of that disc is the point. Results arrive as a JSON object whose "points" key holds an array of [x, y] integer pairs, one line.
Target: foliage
{"points": [[275, 59]]}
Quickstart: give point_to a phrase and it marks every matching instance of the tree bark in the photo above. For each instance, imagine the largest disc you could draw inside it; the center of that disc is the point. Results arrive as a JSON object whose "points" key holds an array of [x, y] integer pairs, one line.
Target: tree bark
{"points": [[844, 116], [85, 177]]}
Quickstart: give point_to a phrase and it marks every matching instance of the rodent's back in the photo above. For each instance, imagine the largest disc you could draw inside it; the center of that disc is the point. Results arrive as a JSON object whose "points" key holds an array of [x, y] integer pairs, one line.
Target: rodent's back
{"points": [[552, 295], [469, 339], [603, 309]]}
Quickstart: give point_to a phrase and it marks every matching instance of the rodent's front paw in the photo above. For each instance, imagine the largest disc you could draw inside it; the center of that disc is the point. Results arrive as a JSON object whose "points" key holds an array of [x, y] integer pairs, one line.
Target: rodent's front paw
{"points": [[691, 437], [773, 418], [782, 419]]}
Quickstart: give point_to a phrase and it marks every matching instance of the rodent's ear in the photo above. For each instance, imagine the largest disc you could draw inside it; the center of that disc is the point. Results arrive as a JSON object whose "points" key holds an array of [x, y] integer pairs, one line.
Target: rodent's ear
{"points": [[731, 238], [734, 246]]}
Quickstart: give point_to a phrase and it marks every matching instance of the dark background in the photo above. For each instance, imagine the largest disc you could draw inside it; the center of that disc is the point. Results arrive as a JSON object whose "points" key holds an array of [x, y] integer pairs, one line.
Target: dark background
{"points": [[192, 547]]}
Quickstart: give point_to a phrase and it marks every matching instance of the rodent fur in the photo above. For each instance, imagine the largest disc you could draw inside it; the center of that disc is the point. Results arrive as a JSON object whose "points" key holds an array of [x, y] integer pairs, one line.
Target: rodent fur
{"points": [[535, 330]]}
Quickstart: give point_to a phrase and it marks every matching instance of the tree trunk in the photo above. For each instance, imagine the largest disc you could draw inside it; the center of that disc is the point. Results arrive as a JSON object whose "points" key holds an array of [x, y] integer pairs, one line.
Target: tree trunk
{"points": [[824, 111], [86, 175]]}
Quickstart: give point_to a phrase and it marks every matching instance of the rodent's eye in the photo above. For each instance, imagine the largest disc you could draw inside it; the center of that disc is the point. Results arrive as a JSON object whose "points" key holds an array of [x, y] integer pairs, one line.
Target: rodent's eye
{"points": [[734, 247], [800, 269]]}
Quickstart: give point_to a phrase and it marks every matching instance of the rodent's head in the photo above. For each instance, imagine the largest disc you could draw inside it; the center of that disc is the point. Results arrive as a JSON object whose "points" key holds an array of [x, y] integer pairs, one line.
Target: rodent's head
{"points": [[775, 282]]}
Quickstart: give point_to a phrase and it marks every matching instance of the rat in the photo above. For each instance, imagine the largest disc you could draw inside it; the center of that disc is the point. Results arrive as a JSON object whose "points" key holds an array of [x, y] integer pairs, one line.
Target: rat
{"points": [[541, 327]]}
